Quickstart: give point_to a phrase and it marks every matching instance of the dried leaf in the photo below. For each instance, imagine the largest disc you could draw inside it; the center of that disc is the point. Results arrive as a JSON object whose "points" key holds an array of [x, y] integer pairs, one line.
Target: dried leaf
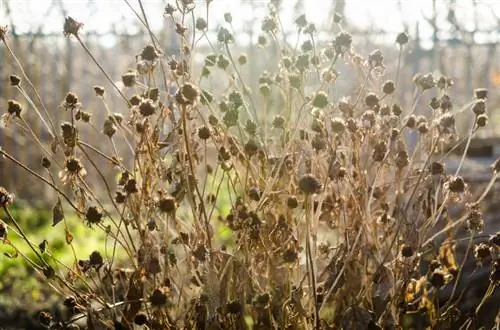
{"points": [[57, 213], [43, 245], [53, 146]]}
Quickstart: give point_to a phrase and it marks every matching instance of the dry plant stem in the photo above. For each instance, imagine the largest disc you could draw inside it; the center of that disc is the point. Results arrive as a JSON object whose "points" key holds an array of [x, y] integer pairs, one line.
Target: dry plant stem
{"points": [[469, 246], [155, 42], [37, 140], [310, 261], [193, 172], [341, 272], [101, 68], [100, 153], [32, 87], [108, 190], [464, 217], [30, 101], [41, 178], [18, 228]]}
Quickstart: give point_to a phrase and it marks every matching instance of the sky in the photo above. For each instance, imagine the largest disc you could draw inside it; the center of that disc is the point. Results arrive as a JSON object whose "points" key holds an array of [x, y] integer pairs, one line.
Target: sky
{"points": [[389, 15]]}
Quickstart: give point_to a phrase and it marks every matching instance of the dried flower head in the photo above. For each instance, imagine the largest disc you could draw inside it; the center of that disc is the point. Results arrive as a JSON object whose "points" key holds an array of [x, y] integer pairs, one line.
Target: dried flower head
{"points": [[99, 90], [475, 220], [481, 93], [5, 197], [343, 42], [481, 252], [147, 107], [14, 108], [93, 215], [14, 80], [309, 184], [402, 38], [129, 78], [71, 27], [389, 87], [376, 59]]}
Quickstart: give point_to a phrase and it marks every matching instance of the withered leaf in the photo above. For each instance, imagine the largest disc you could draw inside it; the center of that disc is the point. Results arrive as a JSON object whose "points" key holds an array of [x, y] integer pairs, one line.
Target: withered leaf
{"points": [[43, 245], [57, 213]]}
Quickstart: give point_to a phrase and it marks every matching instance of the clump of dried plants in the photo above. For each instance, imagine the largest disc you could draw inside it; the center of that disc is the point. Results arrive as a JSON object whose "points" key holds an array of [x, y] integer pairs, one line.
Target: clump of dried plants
{"points": [[231, 210]]}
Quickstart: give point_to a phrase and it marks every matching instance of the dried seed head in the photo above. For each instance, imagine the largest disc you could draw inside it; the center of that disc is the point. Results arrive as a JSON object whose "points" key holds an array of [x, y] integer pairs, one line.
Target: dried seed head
{"points": [[251, 147], [73, 165], [71, 27], [457, 184], [131, 187], [46, 162], [425, 82], [379, 151], [402, 38], [45, 319], [279, 122], [243, 59], [141, 318], [481, 252], [396, 110], [482, 120], [389, 87], [320, 100], [96, 259], [437, 278], [71, 100], [376, 59], [147, 107], [309, 184], [406, 251], [292, 202], [254, 193], [436, 168], [481, 93], [371, 100], [479, 107], [129, 78], [149, 53], [445, 102], [99, 90], [189, 92], [369, 118], [475, 220], [434, 103], [411, 121], [167, 204], [120, 197], [109, 127], [14, 108], [301, 21], [159, 297], [343, 42], [14, 80], [319, 142], [201, 24], [402, 159], [338, 125], [204, 133], [93, 215], [290, 256]]}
